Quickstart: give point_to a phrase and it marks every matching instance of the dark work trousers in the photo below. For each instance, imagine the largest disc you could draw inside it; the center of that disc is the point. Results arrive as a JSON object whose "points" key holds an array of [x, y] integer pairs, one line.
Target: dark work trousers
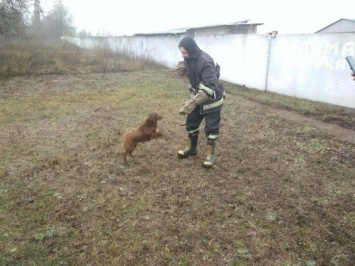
{"points": [[212, 121]]}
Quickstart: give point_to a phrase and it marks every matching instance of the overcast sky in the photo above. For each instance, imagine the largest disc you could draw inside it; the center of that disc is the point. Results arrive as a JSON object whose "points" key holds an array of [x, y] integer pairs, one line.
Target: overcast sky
{"points": [[127, 17]]}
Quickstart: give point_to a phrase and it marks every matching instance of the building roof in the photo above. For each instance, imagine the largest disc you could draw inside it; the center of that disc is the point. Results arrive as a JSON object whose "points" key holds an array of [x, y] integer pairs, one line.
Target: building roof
{"points": [[182, 31], [351, 20], [234, 23]]}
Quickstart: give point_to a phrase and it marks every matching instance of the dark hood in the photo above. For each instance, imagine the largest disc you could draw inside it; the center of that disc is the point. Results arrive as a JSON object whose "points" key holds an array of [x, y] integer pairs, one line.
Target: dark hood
{"points": [[190, 46]]}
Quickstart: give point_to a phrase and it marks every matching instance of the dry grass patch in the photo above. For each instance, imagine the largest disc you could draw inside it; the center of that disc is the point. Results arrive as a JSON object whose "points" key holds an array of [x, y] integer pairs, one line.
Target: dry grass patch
{"points": [[36, 58], [342, 116], [282, 192]]}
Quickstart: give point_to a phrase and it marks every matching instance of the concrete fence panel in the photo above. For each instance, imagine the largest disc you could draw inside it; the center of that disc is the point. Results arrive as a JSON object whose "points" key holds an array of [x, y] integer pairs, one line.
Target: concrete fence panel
{"points": [[307, 66], [313, 67]]}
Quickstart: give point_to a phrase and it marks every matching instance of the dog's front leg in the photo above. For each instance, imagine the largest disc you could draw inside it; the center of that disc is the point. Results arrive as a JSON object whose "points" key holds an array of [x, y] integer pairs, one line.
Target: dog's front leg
{"points": [[156, 134]]}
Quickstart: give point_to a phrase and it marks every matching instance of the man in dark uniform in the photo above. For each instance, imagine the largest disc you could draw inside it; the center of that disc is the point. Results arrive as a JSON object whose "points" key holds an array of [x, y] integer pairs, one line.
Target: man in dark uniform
{"points": [[207, 99]]}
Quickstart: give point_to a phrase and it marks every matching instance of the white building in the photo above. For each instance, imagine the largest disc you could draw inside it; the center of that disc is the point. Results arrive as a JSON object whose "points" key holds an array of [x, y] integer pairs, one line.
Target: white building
{"points": [[341, 25]]}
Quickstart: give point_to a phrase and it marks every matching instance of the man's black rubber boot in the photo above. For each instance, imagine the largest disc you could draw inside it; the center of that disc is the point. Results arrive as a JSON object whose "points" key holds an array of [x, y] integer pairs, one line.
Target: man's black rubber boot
{"points": [[191, 146], [210, 159]]}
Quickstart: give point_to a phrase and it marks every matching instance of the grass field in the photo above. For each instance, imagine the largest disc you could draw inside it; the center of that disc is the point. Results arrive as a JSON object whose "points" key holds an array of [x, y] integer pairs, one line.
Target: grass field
{"points": [[281, 193]]}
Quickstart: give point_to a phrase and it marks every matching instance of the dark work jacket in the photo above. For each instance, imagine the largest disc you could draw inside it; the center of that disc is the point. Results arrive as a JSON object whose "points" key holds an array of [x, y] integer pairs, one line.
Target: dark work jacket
{"points": [[201, 69]]}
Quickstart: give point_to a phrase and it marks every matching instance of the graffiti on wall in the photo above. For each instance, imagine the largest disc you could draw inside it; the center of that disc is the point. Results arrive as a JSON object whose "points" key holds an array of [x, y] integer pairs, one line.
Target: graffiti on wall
{"points": [[327, 55]]}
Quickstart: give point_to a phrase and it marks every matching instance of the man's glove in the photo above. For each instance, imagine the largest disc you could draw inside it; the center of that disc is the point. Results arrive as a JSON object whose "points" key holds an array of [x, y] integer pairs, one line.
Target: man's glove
{"points": [[211, 93], [190, 105], [181, 69]]}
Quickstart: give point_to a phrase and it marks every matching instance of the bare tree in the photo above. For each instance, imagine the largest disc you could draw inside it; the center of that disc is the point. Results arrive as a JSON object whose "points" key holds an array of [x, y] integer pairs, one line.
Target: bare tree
{"points": [[84, 33], [58, 22], [12, 22], [36, 18]]}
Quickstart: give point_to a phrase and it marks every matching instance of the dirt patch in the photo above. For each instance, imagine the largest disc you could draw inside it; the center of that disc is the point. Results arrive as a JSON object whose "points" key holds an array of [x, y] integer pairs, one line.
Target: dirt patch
{"points": [[331, 127]]}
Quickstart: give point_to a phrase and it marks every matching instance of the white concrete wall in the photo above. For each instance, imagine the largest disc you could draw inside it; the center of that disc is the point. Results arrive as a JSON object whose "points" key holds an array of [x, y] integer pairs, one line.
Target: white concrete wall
{"points": [[313, 67], [310, 66], [163, 50], [243, 58]]}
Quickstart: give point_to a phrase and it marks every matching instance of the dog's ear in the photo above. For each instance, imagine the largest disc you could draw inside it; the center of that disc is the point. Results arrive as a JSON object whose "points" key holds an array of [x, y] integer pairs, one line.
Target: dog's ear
{"points": [[150, 118], [155, 116]]}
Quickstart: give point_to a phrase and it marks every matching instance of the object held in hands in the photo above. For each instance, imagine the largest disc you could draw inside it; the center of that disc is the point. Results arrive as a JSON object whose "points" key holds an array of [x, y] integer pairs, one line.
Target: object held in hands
{"points": [[351, 63], [181, 69]]}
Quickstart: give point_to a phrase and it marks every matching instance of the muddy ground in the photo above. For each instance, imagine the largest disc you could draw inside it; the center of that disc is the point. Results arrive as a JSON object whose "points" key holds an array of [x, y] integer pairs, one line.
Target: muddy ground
{"points": [[281, 193]]}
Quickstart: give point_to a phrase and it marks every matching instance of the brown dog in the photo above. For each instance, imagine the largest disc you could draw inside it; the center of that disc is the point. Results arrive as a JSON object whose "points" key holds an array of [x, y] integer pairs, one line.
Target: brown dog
{"points": [[147, 131]]}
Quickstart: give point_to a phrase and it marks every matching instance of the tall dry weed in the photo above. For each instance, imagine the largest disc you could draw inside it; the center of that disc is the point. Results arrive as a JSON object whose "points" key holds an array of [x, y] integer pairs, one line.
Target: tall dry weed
{"points": [[48, 57]]}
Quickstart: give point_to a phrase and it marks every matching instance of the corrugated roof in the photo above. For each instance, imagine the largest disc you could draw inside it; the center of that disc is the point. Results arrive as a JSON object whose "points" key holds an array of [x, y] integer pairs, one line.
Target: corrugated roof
{"points": [[240, 22], [352, 20], [164, 33], [181, 31]]}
